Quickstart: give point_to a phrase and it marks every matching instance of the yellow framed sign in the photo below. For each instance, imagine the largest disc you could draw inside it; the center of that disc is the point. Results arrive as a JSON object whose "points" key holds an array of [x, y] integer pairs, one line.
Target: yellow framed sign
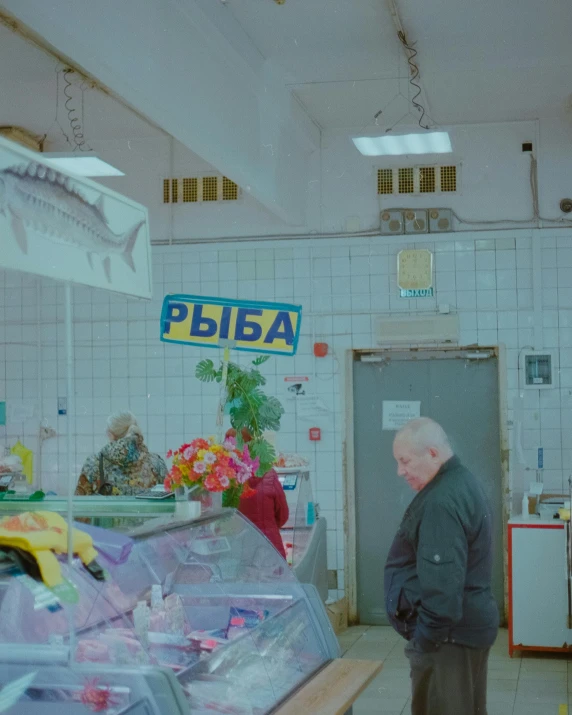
{"points": [[253, 326]]}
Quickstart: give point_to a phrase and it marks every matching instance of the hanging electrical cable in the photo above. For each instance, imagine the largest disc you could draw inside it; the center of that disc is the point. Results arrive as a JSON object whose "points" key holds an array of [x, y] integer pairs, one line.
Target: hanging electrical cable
{"points": [[414, 77], [76, 123]]}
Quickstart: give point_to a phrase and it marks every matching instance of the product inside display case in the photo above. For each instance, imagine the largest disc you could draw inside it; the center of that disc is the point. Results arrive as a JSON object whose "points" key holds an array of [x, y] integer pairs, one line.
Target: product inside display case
{"points": [[209, 600]]}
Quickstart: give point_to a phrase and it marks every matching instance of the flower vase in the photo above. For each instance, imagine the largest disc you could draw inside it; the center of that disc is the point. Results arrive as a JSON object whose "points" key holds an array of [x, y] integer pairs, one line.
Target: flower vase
{"points": [[231, 498]]}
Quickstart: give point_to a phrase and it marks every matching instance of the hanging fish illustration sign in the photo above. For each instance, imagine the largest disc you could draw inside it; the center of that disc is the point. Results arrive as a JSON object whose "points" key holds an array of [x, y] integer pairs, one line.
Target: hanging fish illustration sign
{"points": [[68, 227], [41, 198]]}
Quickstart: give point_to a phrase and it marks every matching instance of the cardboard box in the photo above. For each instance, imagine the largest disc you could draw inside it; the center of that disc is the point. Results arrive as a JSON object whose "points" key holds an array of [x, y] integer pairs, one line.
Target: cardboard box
{"points": [[338, 615]]}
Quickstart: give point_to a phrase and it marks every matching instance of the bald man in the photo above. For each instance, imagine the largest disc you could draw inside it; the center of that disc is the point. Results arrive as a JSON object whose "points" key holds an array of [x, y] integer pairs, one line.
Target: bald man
{"points": [[438, 576]]}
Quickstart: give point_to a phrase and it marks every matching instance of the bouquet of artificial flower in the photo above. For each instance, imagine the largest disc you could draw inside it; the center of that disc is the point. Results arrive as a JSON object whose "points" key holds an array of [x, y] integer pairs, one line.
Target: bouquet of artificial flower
{"points": [[212, 467]]}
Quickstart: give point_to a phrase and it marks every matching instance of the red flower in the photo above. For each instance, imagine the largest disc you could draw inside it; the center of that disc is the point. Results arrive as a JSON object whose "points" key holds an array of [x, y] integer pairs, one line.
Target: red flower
{"points": [[169, 454], [248, 491]]}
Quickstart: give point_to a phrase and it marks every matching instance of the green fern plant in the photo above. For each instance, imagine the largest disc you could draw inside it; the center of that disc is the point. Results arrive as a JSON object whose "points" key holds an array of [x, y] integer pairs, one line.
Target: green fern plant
{"points": [[248, 405]]}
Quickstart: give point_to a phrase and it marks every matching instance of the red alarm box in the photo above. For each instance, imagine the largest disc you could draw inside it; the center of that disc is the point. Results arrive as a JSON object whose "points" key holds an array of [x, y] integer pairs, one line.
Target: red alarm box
{"points": [[315, 434]]}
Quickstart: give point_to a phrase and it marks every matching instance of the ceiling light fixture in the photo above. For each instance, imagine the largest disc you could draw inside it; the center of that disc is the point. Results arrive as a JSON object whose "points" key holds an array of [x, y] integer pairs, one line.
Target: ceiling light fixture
{"points": [[82, 164], [399, 144]]}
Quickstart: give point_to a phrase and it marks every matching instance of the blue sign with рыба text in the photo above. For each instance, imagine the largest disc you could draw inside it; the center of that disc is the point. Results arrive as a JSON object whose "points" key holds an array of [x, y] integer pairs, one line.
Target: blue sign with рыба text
{"points": [[541, 458]]}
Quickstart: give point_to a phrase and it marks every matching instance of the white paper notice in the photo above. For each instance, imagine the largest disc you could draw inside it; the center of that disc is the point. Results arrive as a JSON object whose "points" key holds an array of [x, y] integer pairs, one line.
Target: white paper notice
{"points": [[308, 407], [397, 414]]}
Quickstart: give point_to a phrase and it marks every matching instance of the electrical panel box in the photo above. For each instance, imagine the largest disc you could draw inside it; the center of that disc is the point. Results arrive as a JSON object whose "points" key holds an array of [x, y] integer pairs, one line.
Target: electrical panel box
{"points": [[416, 221], [440, 220], [537, 370], [391, 223]]}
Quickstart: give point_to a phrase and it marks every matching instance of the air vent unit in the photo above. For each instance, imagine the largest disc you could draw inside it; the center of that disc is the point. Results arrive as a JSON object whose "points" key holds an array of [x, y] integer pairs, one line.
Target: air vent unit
{"points": [[416, 221], [199, 189], [440, 220], [391, 223], [436, 329], [417, 180]]}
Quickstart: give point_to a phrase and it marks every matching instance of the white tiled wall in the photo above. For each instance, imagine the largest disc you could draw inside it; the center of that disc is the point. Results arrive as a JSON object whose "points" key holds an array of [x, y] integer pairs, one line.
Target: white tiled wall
{"points": [[342, 285]]}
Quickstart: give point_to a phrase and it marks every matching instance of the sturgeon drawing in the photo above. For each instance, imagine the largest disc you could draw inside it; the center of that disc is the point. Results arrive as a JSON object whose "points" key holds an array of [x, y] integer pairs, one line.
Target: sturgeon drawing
{"points": [[36, 197]]}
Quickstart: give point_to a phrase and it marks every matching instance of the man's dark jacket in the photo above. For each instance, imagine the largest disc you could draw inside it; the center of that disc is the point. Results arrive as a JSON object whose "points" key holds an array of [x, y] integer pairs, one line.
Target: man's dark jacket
{"points": [[438, 572]]}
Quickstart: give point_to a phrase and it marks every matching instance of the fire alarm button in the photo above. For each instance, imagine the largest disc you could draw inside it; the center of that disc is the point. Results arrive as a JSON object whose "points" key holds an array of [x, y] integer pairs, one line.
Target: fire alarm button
{"points": [[315, 434]]}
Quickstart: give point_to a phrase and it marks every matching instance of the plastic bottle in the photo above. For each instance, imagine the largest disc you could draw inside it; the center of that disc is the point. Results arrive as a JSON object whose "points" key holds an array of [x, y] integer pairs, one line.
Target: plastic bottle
{"points": [[525, 506]]}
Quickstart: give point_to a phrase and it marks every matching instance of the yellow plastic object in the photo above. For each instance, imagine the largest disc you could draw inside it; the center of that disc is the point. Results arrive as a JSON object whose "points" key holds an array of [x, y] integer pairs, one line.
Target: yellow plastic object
{"points": [[27, 457], [564, 514], [43, 533]]}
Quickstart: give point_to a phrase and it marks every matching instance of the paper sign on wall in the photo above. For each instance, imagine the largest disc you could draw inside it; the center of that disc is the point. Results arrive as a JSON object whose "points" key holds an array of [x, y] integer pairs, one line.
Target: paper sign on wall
{"points": [[399, 413], [252, 326]]}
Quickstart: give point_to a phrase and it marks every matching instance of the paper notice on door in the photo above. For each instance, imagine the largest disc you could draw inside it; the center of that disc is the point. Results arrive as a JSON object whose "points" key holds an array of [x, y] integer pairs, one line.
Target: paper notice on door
{"points": [[398, 413]]}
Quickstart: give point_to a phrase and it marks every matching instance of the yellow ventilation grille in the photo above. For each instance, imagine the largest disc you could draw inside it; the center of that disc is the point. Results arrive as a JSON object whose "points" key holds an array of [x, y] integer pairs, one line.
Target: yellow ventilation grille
{"points": [[196, 189], [210, 188], [406, 181], [384, 181], [448, 178], [190, 190], [418, 180], [427, 182], [229, 190]]}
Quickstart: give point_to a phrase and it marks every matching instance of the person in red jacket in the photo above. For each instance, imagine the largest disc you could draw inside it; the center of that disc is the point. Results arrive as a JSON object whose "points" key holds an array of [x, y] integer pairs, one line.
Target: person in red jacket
{"points": [[268, 508]]}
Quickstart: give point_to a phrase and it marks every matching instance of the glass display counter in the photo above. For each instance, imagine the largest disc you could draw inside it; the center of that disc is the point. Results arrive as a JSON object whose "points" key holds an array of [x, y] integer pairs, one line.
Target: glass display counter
{"points": [[305, 533], [198, 616]]}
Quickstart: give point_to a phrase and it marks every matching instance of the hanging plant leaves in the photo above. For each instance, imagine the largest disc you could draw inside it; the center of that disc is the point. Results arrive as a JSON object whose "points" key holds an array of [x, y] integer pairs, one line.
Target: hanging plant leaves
{"points": [[245, 412], [265, 452], [271, 412], [261, 359], [205, 371]]}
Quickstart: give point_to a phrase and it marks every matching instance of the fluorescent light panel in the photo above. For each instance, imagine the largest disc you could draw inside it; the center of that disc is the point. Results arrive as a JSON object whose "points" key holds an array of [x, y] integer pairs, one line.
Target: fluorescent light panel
{"points": [[398, 144], [82, 164]]}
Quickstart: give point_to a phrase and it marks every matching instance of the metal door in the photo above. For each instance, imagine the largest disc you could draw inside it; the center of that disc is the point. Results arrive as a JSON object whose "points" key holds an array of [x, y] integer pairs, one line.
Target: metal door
{"points": [[458, 389]]}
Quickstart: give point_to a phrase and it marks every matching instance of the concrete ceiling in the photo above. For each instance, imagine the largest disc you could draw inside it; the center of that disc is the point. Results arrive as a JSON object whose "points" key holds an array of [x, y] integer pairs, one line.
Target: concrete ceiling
{"points": [[29, 81], [480, 61]]}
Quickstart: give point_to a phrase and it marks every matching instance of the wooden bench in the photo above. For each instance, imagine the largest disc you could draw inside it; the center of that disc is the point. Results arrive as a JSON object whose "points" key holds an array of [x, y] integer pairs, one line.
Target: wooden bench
{"points": [[334, 689]]}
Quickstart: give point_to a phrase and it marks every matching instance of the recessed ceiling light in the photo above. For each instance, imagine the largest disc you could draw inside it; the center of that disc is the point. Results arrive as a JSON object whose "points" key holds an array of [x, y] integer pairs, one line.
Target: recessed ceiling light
{"points": [[396, 144], [82, 164]]}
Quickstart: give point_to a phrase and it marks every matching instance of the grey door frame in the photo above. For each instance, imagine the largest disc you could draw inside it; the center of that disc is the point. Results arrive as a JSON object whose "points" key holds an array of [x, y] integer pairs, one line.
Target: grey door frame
{"points": [[350, 568]]}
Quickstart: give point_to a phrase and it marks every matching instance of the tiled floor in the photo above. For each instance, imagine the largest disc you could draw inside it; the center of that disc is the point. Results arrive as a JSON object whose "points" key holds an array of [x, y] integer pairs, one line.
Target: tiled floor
{"points": [[531, 685]]}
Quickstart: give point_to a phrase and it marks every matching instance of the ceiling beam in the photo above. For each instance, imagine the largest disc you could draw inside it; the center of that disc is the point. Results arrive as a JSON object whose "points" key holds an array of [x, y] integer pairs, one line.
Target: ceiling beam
{"points": [[167, 60]]}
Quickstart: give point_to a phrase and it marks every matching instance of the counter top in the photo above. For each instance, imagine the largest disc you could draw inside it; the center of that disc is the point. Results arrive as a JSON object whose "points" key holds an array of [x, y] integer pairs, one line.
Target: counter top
{"points": [[535, 521]]}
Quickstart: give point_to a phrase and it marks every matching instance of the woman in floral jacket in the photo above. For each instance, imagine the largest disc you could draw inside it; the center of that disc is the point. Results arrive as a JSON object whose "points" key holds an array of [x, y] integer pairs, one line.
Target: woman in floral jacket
{"points": [[124, 466]]}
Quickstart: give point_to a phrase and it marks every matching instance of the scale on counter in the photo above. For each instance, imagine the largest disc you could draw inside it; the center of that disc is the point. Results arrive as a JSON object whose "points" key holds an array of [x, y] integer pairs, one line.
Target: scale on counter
{"points": [[288, 481]]}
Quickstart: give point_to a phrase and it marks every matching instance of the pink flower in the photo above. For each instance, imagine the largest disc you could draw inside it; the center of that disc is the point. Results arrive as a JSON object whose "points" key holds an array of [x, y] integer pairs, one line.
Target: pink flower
{"points": [[210, 458], [199, 467], [224, 481], [229, 443], [189, 453], [169, 454], [212, 483]]}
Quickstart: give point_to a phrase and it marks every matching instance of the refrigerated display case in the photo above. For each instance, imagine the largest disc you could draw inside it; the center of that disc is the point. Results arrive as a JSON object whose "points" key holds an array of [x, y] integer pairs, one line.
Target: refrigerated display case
{"points": [[198, 616], [305, 533]]}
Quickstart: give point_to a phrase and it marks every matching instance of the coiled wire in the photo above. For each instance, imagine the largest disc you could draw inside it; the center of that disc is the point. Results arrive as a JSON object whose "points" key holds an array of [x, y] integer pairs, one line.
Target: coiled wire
{"points": [[76, 123]]}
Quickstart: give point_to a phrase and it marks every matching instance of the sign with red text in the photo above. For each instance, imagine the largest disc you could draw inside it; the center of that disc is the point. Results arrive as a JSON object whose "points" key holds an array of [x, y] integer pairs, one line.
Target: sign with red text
{"points": [[253, 326]]}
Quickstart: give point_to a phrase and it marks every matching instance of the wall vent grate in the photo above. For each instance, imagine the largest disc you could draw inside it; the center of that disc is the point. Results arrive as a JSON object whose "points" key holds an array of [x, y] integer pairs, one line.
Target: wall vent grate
{"points": [[229, 190], [210, 188], [199, 189], [384, 181], [417, 180], [427, 181], [406, 181], [190, 190], [448, 178]]}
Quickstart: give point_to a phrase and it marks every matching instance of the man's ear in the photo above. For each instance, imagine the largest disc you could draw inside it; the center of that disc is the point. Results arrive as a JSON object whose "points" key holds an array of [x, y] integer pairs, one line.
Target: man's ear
{"points": [[433, 452]]}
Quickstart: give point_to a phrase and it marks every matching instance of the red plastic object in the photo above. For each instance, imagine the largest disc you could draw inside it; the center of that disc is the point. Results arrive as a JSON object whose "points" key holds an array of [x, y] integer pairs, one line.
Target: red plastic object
{"points": [[320, 349], [315, 434]]}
